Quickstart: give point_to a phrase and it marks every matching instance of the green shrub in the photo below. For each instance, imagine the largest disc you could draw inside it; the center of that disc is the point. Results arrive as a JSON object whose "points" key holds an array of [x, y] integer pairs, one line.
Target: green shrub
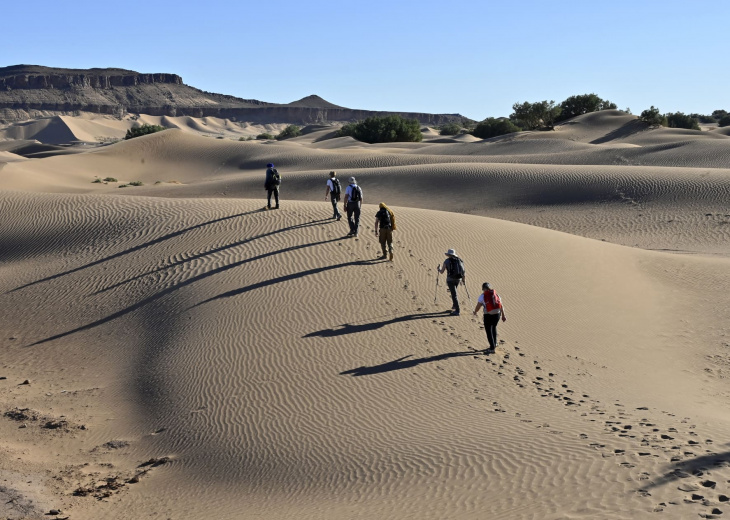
{"points": [[450, 129], [136, 183], [681, 120], [702, 118], [144, 129], [492, 127], [264, 136], [719, 114], [249, 138], [724, 120], [388, 129], [110, 179], [535, 116], [122, 185], [289, 132], [96, 181], [583, 104], [653, 117]]}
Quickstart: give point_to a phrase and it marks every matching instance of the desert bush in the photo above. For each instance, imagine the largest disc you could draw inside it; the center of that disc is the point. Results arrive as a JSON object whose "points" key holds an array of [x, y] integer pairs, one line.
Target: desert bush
{"points": [[136, 183], [724, 120], [719, 114], [450, 129], [653, 117], [110, 179], [703, 118], [289, 132], [681, 120], [264, 136], [535, 116], [582, 104], [122, 185], [96, 181], [388, 129], [492, 127], [248, 138], [144, 129]]}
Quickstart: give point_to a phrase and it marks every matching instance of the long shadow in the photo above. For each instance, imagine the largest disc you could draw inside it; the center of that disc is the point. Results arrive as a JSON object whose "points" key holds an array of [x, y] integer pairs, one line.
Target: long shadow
{"points": [[132, 250], [689, 467], [201, 276], [212, 251], [625, 130], [287, 277], [401, 363], [347, 328]]}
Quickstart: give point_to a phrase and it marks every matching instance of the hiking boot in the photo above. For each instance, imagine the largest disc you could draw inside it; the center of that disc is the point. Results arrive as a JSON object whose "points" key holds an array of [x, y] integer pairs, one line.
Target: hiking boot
{"points": [[382, 257], [339, 217], [390, 257], [455, 313], [276, 207]]}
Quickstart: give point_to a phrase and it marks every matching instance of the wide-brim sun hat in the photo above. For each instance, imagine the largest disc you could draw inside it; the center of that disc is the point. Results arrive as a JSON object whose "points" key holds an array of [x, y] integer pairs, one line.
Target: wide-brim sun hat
{"points": [[451, 252], [352, 180]]}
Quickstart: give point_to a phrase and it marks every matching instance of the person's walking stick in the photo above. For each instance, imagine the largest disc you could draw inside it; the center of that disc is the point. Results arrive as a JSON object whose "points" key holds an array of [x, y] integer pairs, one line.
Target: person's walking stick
{"points": [[467, 291], [436, 292]]}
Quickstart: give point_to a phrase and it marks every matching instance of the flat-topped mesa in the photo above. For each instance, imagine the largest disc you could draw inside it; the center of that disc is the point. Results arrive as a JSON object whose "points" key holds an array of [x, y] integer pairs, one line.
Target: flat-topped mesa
{"points": [[37, 77]]}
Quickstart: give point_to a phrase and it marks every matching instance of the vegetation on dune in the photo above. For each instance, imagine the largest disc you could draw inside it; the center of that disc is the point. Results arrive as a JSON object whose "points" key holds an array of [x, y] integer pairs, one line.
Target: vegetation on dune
{"points": [[451, 129], [578, 105], [144, 129], [652, 116], [541, 115], [264, 136], [289, 132], [724, 120], [388, 129], [492, 127], [681, 120]]}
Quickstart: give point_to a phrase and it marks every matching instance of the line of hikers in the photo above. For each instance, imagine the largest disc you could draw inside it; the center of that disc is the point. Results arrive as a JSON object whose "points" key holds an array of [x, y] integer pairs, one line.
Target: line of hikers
{"points": [[453, 266]]}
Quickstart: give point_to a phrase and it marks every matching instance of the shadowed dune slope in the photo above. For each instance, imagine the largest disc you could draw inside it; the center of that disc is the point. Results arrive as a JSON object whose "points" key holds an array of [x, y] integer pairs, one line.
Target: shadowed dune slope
{"points": [[288, 374]]}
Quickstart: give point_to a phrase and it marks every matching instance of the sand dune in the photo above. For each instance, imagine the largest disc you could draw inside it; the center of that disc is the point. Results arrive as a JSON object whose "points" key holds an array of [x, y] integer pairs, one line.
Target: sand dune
{"points": [[189, 355]]}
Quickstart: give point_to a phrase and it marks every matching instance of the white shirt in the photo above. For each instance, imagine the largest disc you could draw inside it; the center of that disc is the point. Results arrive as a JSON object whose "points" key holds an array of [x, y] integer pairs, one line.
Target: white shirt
{"points": [[484, 306], [330, 185]]}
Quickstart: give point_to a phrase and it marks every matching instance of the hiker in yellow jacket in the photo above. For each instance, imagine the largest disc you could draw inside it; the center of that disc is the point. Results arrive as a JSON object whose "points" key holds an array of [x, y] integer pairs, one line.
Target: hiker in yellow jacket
{"points": [[385, 220]]}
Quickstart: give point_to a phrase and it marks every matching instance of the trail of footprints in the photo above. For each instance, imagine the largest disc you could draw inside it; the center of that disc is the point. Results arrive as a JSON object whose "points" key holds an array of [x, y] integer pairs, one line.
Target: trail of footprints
{"points": [[701, 476]]}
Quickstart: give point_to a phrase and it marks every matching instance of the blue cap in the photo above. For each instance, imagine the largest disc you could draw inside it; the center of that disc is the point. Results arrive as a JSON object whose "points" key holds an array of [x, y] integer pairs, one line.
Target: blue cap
{"points": [[269, 165]]}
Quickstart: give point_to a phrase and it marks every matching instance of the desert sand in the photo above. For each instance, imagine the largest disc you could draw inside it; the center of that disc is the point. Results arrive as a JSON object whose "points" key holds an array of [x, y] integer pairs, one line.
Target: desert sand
{"points": [[171, 350]]}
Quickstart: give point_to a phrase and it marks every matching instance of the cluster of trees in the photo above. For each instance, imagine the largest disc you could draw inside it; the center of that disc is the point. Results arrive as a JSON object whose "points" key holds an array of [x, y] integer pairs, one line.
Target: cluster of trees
{"points": [[654, 117], [541, 115], [388, 129], [144, 129]]}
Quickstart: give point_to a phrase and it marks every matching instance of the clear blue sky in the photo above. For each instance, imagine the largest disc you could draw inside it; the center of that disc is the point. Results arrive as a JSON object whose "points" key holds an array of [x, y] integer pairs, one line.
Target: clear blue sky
{"points": [[476, 58]]}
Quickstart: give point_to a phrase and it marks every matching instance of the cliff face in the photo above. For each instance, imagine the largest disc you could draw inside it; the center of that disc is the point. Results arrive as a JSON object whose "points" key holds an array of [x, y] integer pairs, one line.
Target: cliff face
{"points": [[29, 91]]}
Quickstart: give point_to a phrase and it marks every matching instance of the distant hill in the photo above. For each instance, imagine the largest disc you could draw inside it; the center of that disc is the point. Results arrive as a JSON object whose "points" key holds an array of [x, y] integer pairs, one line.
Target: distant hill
{"points": [[31, 91]]}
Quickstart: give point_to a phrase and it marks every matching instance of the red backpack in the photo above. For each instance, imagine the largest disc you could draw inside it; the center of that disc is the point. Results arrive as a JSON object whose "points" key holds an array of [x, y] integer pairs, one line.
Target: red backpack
{"points": [[491, 300]]}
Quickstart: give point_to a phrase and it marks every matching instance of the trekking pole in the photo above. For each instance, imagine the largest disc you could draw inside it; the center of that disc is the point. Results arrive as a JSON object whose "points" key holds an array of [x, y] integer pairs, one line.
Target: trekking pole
{"points": [[436, 292], [467, 291]]}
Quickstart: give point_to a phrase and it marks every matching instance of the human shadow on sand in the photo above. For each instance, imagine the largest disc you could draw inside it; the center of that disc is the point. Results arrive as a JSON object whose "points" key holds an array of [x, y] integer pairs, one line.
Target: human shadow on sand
{"points": [[401, 363], [697, 467], [348, 328], [206, 274], [212, 252], [134, 249]]}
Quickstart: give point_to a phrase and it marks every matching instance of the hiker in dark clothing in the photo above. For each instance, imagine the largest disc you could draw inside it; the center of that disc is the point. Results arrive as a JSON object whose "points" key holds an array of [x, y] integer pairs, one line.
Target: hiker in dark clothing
{"points": [[455, 274], [333, 190], [385, 219], [493, 310], [353, 200], [273, 180]]}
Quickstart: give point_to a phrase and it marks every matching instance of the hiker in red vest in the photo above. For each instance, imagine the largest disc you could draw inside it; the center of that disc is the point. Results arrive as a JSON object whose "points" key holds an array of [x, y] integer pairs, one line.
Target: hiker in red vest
{"points": [[493, 309]]}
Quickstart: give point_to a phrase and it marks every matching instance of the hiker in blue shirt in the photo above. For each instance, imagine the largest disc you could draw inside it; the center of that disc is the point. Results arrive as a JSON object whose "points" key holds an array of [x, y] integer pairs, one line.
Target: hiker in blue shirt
{"points": [[353, 200]]}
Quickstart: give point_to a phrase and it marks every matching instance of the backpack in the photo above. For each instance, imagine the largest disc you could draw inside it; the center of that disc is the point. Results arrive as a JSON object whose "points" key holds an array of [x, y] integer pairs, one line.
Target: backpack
{"points": [[356, 194], [455, 268], [275, 177], [492, 300], [384, 217], [336, 189]]}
